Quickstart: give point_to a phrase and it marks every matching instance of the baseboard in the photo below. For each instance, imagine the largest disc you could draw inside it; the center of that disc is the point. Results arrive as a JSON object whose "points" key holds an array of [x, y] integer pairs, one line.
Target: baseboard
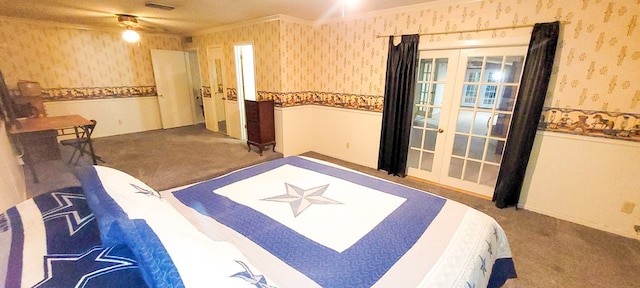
{"points": [[629, 234]]}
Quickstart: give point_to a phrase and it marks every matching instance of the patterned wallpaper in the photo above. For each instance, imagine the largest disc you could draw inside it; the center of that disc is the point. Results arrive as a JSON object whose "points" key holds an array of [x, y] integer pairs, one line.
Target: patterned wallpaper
{"points": [[341, 63], [75, 62], [264, 37], [345, 60]]}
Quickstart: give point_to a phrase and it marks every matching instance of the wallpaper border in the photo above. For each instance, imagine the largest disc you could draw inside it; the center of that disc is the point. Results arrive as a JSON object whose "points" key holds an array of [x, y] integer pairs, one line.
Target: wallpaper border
{"points": [[92, 93]]}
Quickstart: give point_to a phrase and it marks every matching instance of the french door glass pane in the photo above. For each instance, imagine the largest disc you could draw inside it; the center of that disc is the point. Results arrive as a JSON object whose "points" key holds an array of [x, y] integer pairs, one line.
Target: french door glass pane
{"points": [[426, 112], [455, 168], [427, 161], [413, 158], [481, 123], [476, 147], [513, 69], [471, 171], [464, 121], [487, 101], [506, 98], [494, 151], [489, 175], [500, 125], [460, 145]]}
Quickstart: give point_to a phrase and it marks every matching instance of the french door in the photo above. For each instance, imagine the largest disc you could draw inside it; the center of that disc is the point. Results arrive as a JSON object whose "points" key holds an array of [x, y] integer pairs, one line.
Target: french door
{"points": [[462, 110]]}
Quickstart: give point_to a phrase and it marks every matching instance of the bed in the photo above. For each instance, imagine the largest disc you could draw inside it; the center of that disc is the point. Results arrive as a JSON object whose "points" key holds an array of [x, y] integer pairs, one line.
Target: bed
{"points": [[290, 222]]}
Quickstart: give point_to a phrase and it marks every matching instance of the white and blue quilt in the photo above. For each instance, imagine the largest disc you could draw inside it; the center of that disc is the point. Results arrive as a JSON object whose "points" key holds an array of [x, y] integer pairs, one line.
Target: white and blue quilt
{"points": [[53, 240], [308, 223]]}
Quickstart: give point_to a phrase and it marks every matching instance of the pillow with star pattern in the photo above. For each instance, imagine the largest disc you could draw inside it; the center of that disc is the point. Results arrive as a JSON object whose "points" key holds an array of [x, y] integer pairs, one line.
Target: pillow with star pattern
{"points": [[170, 251]]}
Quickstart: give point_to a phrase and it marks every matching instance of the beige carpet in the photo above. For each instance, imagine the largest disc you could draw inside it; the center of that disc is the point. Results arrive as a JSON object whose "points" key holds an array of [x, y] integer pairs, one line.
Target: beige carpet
{"points": [[547, 252]]}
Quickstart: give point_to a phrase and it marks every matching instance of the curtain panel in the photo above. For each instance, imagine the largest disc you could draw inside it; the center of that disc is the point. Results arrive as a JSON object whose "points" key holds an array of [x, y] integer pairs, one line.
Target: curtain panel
{"points": [[527, 111], [398, 101]]}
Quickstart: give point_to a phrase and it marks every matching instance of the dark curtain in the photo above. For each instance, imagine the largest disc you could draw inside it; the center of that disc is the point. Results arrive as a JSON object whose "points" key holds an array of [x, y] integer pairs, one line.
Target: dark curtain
{"points": [[398, 101], [527, 111]]}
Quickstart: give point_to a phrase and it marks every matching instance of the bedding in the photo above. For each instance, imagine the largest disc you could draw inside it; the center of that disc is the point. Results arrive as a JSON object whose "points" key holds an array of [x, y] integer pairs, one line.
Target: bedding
{"points": [[308, 223], [52, 240], [291, 222]]}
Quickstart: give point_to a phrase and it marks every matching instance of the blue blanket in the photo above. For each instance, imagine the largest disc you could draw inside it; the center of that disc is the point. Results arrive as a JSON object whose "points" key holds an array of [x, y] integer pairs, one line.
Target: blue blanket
{"points": [[52, 240]]}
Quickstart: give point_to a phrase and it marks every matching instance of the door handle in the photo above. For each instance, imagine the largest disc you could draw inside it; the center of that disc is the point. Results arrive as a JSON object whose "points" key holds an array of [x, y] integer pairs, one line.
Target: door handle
{"points": [[440, 130]]}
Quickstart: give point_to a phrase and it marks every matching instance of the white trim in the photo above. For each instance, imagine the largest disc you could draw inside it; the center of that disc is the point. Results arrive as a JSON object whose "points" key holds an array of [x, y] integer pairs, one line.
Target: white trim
{"points": [[54, 24], [603, 227], [383, 12], [240, 24], [587, 138]]}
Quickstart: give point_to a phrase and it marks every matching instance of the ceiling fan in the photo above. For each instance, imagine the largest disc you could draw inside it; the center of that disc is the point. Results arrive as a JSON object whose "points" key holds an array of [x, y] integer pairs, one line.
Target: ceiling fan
{"points": [[130, 22]]}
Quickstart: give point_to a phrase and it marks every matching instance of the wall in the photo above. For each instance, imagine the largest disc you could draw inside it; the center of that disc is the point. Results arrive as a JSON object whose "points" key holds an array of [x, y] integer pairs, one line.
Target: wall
{"points": [[343, 64], [113, 116], [587, 181], [12, 182], [77, 67]]}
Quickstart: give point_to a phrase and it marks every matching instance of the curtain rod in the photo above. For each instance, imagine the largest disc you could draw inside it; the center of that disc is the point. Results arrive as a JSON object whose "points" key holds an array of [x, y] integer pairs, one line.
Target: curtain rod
{"points": [[471, 30]]}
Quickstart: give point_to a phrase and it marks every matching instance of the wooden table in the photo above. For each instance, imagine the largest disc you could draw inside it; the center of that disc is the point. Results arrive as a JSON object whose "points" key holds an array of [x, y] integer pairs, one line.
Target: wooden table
{"points": [[54, 123]]}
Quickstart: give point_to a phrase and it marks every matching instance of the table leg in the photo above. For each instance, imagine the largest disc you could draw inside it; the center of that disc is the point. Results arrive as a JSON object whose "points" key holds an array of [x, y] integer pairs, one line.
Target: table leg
{"points": [[90, 142]]}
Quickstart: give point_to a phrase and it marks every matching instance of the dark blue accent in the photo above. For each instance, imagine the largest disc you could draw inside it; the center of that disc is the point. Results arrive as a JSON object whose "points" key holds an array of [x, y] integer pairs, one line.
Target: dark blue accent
{"points": [[155, 262], [17, 246], [503, 269], [361, 265], [57, 231], [158, 270], [67, 271], [105, 209]]}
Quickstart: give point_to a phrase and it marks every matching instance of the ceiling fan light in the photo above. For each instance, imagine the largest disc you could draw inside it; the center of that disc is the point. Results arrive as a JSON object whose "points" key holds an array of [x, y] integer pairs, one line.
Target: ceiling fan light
{"points": [[130, 36]]}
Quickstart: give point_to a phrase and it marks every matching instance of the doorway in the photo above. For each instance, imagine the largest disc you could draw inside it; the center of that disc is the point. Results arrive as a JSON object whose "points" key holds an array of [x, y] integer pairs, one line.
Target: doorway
{"points": [[216, 112], [196, 83], [246, 82], [461, 115], [170, 69]]}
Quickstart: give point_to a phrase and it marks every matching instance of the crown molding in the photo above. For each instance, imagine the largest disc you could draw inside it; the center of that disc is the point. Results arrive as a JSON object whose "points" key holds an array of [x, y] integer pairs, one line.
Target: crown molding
{"points": [[53, 24]]}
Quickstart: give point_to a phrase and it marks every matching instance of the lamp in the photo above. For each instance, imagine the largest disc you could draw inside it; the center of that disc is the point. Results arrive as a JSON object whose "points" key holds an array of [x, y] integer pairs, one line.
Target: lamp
{"points": [[130, 22], [130, 35]]}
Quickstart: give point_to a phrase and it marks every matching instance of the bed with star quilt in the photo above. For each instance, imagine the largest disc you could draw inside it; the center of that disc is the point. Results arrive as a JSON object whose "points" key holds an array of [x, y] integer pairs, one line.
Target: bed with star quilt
{"points": [[308, 223], [291, 222]]}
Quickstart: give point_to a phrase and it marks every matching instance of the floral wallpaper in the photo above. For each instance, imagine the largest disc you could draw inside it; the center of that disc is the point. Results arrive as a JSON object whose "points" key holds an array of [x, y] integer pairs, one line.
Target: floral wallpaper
{"points": [[74, 63], [344, 61]]}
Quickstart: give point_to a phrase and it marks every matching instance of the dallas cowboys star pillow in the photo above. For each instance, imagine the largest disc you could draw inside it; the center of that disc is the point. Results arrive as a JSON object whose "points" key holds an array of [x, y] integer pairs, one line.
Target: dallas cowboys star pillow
{"points": [[170, 251]]}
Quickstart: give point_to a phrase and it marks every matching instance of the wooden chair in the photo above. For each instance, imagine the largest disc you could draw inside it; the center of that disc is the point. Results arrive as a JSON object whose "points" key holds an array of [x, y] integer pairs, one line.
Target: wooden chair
{"points": [[80, 143]]}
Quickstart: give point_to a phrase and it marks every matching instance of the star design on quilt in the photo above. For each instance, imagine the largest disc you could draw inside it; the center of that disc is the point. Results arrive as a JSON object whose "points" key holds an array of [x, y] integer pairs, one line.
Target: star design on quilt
{"points": [[66, 209], [301, 199], [256, 280], [84, 269], [483, 266], [145, 191], [489, 248], [4, 223]]}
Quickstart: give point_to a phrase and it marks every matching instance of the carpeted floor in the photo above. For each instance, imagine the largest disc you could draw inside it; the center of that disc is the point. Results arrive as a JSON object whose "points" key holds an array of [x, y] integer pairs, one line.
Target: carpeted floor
{"points": [[548, 252]]}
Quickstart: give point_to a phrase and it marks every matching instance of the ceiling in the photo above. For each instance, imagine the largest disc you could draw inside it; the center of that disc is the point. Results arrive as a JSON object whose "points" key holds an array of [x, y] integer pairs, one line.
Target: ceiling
{"points": [[189, 15]]}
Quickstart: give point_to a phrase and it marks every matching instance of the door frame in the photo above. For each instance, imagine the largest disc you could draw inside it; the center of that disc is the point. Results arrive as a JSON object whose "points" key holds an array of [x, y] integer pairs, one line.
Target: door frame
{"points": [[214, 90], [172, 114], [426, 46]]}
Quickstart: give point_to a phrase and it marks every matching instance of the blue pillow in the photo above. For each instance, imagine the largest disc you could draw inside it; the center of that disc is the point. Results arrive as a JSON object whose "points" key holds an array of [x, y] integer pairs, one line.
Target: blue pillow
{"points": [[170, 251]]}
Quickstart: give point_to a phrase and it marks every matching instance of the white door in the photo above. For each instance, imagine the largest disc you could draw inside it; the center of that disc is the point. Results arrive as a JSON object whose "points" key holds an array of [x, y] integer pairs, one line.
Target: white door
{"points": [[462, 145], [172, 81], [216, 112], [245, 80], [431, 107]]}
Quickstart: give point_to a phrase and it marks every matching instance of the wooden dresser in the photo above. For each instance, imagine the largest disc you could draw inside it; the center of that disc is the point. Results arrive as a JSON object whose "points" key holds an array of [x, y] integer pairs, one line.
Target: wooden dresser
{"points": [[260, 126]]}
